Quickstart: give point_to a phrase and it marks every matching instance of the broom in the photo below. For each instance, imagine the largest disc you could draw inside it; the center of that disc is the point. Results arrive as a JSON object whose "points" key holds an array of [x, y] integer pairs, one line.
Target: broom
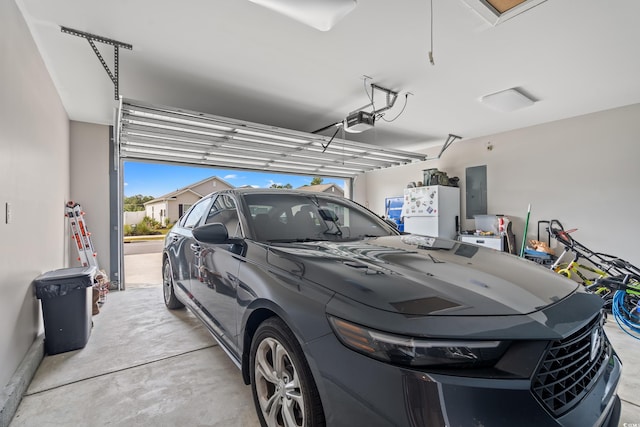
{"points": [[526, 228]]}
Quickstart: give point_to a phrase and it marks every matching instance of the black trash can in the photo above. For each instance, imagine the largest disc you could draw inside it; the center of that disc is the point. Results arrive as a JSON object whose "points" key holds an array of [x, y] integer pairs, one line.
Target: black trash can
{"points": [[65, 295]]}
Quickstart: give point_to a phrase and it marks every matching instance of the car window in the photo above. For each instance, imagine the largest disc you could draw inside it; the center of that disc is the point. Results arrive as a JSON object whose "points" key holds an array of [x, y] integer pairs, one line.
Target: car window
{"points": [[302, 217], [223, 210], [192, 218]]}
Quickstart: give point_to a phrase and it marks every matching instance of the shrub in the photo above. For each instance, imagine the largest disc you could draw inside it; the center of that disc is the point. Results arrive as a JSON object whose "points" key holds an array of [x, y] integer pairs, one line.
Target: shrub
{"points": [[151, 223], [142, 229], [146, 227]]}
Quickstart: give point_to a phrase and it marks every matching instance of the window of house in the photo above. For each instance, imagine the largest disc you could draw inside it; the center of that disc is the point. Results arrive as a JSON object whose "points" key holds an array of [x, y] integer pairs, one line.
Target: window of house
{"points": [[182, 208]]}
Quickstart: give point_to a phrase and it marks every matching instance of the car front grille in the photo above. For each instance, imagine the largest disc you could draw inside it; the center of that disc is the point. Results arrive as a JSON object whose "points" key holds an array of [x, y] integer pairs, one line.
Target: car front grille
{"points": [[570, 367]]}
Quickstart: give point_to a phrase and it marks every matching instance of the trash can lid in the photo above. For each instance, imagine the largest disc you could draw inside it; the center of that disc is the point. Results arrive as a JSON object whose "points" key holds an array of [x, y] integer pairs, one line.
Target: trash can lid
{"points": [[64, 274], [62, 281]]}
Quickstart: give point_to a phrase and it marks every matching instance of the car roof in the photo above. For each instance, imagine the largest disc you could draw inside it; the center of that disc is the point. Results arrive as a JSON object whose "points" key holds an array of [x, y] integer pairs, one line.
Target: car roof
{"points": [[247, 190]]}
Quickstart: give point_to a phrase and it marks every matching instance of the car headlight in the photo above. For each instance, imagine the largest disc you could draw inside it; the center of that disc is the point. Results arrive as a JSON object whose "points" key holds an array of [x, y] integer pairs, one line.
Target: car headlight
{"points": [[411, 351]]}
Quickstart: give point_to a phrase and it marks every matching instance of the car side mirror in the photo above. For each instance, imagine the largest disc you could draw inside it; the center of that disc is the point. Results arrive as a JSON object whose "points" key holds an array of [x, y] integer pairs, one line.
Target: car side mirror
{"points": [[215, 233]]}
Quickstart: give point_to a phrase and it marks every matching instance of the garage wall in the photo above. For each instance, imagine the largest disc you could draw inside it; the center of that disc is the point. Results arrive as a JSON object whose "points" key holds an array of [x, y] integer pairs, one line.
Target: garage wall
{"points": [[89, 174], [582, 171], [34, 179]]}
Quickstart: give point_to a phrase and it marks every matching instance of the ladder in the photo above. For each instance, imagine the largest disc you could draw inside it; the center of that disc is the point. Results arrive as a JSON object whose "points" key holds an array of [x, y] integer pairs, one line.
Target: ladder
{"points": [[80, 234], [86, 254]]}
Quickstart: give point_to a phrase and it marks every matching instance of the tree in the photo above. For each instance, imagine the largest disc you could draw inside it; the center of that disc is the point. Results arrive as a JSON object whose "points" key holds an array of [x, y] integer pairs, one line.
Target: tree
{"points": [[317, 180], [281, 186], [135, 203]]}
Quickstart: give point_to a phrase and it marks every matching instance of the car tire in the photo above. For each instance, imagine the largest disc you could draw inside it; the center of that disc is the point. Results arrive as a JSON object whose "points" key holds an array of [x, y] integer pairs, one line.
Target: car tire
{"points": [[170, 299], [289, 397]]}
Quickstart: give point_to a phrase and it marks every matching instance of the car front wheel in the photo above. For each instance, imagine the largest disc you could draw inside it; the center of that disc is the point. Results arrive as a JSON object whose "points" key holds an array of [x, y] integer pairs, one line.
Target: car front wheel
{"points": [[284, 392], [170, 299]]}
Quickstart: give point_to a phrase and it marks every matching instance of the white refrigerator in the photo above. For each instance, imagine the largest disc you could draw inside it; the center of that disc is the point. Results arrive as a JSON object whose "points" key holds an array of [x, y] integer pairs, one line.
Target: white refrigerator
{"points": [[432, 211]]}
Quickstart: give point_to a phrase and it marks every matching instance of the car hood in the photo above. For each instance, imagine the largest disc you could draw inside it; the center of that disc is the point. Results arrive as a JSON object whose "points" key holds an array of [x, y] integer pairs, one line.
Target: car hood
{"points": [[419, 276]]}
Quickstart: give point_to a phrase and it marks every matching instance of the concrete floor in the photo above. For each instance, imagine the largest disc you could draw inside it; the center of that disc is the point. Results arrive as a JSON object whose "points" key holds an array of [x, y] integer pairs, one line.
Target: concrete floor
{"points": [[143, 365], [147, 366]]}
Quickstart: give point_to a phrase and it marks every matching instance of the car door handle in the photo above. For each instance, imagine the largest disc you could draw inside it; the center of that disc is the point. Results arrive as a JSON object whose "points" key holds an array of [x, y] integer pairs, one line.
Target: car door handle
{"points": [[195, 247]]}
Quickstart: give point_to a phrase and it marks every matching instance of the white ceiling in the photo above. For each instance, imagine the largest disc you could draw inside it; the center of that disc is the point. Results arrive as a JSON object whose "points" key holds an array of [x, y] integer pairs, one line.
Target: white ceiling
{"points": [[236, 59]]}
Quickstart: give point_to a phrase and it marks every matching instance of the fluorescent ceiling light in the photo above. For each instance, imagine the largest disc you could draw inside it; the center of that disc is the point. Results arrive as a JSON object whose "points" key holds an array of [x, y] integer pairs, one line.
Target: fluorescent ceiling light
{"points": [[319, 14], [507, 100]]}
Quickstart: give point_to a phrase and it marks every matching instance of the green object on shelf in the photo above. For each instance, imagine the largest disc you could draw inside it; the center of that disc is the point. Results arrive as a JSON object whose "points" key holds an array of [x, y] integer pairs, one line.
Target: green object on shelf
{"points": [[524, 235]]}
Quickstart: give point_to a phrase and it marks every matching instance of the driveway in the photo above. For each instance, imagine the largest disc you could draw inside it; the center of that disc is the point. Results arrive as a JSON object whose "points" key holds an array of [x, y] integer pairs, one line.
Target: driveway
{"points": [[143, 247], [143, 264]]}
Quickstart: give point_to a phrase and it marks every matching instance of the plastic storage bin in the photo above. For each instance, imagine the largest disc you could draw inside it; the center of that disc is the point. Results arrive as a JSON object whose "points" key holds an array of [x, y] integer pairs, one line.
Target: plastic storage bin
{"points": [[66, 298], [486, 223]]}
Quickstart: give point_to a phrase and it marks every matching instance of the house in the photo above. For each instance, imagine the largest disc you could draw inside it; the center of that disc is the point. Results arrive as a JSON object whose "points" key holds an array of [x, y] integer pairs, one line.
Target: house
{"points": [[170, 207], [324, 188]]}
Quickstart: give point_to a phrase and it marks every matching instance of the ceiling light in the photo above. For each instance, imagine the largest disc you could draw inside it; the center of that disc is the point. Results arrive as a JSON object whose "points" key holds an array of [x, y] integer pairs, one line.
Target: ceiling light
{"points": [[319, 14], [507, 100]]}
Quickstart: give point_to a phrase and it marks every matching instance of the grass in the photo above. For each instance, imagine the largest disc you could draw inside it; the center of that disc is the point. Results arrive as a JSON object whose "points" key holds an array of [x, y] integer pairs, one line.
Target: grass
{"points": [[163, 232]]}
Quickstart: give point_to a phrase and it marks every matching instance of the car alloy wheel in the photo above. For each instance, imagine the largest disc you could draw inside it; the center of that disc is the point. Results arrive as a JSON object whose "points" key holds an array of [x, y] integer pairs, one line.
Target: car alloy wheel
{"points": [[170, 299], [283, 390]]}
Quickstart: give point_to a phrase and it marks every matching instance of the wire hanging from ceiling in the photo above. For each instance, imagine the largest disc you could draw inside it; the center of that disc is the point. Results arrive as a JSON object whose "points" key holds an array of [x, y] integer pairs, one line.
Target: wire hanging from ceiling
{"points": [[431, 29]]}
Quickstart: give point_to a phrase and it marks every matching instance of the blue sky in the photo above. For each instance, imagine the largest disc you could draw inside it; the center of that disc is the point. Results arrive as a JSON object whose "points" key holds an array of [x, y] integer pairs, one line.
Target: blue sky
{"points": [[154, 179]]}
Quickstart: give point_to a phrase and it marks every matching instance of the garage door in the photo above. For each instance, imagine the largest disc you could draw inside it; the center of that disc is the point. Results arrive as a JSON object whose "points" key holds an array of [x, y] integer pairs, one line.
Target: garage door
{"points": [[151, 132]]}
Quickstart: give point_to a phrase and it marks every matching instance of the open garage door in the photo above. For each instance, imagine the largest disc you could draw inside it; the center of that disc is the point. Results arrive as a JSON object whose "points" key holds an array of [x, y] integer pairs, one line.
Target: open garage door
{"points": [[147, 132]]}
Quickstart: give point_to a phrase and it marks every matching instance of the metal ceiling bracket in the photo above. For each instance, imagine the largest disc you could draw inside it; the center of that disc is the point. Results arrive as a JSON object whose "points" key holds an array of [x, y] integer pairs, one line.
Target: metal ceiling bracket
{"points": [[391, 98], [114, 77], [450, 140]]}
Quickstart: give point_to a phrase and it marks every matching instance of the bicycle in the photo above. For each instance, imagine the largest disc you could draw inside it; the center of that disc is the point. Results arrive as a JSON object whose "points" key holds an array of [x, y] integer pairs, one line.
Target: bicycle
{"points": [[602, 264], [574, 267], [609, 269]]}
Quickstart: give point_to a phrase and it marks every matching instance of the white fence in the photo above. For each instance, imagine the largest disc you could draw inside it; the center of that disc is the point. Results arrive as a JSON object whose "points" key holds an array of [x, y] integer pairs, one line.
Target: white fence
{"points": [[131, 218]]}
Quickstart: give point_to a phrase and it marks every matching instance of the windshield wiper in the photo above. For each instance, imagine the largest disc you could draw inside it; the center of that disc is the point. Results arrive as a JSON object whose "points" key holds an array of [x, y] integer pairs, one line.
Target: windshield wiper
{"points": [[305, 240], [330, 216]]}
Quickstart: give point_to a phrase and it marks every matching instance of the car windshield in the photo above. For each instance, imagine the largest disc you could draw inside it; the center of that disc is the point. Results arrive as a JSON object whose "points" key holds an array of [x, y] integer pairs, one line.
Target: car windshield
{"points": [[290, 217]]}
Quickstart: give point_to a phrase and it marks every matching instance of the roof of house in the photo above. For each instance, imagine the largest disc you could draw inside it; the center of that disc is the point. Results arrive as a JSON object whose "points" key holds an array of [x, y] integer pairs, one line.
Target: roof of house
{"points": [[321, 188], [189, 188]]}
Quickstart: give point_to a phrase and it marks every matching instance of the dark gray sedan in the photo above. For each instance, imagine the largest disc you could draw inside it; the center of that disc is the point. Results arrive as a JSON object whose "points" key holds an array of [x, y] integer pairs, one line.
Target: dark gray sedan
{"points": [[337, 319]]}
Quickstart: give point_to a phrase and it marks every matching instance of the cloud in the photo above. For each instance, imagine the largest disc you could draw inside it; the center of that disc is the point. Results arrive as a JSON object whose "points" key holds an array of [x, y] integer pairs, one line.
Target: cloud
{"points": [[231, 176], [125, 184]]}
